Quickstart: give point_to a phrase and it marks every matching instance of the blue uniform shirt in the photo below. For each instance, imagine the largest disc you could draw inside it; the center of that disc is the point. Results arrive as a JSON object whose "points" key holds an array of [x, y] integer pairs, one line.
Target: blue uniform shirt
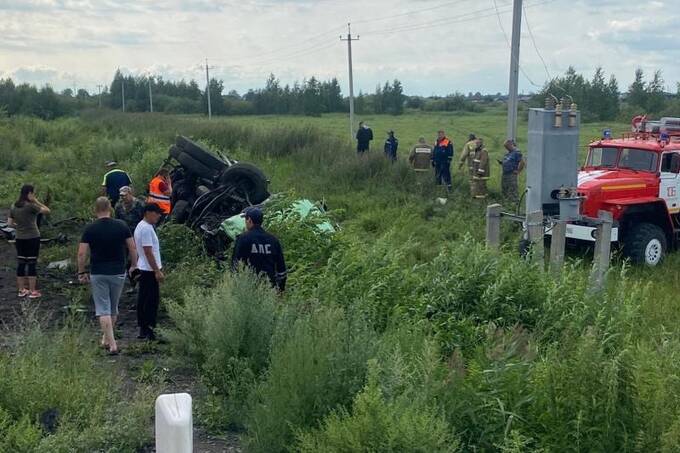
{"points": [[511, 161]]}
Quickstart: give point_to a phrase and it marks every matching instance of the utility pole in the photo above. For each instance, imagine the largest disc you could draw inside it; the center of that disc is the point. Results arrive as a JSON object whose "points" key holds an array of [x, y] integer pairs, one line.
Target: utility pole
{"points": [[122, 91], [150, 97], [349, 40], [514, 70], [99, 87], [207, 88]]}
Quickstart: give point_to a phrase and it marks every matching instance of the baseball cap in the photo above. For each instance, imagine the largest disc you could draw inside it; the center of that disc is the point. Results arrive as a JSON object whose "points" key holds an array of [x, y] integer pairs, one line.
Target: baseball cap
{"points": [[153, 207], [254, 214], [124, 190]]}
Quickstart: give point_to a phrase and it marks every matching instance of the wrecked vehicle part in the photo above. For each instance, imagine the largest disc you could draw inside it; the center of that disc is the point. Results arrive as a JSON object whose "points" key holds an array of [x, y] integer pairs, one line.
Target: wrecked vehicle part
{"points": [[200, 154], [249, 181]]}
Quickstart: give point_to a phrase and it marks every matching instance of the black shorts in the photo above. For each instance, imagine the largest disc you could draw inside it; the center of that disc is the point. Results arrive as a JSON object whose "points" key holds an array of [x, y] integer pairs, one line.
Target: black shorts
{"points": [[28, 250]]}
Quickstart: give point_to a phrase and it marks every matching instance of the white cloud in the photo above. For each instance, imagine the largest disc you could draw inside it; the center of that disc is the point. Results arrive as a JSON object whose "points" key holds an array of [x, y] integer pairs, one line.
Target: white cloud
{"points": [[437, 46]]}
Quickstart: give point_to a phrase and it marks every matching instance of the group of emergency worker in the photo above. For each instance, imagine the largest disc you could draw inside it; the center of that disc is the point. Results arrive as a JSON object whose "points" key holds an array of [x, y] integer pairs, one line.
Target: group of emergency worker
{"points": [[438, 158]]}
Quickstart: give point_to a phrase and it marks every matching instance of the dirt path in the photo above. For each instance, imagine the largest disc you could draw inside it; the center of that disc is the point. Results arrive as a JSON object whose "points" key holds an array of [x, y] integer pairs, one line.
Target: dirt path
{"points": [[139, 362]]}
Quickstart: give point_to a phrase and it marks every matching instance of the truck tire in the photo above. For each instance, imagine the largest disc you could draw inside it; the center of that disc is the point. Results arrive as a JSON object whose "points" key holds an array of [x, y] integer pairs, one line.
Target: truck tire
{"points": [[191, 165], [174, 152], [249, 179], [180, 212], [200, 154], [646, 244]]}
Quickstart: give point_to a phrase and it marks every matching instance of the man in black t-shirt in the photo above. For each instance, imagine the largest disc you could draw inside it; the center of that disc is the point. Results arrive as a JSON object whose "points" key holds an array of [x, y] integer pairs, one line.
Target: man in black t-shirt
{"points": [[106, 240]]}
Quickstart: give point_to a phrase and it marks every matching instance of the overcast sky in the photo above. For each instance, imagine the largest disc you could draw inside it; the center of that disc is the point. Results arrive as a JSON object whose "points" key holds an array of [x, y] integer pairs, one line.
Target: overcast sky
{"points": [[432, 46]]}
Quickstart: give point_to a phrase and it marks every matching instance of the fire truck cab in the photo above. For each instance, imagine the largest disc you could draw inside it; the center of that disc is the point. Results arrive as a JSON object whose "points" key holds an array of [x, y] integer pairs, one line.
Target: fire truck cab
{"points": [[637, 179]]}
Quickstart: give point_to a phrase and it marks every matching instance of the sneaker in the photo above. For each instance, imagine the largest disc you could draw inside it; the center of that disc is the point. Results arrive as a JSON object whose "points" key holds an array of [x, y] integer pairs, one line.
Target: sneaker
{"points": [[23, 293], [34, 295]]}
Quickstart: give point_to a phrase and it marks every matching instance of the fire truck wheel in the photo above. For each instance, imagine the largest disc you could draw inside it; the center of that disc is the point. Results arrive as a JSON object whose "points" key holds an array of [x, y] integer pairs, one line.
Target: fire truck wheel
{"points": [[645, 244]]}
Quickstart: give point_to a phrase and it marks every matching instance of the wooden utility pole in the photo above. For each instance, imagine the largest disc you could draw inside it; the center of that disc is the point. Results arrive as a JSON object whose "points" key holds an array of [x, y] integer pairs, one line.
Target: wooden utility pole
{"points": [[349, 40], [150, 97], [514, 70], [207, 88]]}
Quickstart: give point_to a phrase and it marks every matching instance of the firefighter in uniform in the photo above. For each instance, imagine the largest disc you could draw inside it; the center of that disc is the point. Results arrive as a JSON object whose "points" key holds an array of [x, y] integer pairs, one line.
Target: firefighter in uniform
{"points": [[160, 191], [421, 156], [480, 170], [512, 165], [468, 155], [442, 155], [260, 250]]}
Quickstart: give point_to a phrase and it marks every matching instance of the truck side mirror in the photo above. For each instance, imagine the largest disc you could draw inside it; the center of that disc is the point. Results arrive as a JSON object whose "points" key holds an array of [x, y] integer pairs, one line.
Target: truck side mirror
{"points": [[675, 163]]}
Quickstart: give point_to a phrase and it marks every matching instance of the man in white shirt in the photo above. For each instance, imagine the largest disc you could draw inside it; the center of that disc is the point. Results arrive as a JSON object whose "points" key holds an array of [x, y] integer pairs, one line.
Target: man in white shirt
{"points": [[151, 274]]}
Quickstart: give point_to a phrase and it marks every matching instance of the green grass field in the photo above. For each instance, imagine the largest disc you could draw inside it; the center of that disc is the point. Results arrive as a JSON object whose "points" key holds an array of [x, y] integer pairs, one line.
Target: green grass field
{"points": [[400, 332]]}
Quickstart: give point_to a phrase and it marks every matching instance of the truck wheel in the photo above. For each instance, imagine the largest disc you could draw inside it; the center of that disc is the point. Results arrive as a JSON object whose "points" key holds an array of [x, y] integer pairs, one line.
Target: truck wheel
{"points": [[191, 165], [249, 179], [200, 154], [645, 244], [180, 212], [174, 152]]}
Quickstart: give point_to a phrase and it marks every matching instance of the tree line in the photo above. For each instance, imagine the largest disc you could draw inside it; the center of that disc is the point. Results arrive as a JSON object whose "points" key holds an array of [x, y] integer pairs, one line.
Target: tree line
{"points": [[599, 97]]}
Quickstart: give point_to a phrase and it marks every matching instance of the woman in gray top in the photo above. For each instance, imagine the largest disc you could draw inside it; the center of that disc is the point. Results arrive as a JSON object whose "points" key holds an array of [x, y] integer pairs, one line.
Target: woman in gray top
{"points": [[23, 216]]}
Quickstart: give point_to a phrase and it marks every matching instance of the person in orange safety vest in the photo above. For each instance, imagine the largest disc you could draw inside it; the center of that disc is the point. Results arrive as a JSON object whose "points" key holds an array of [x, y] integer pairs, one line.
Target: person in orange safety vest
{"points": [[160, 191]]}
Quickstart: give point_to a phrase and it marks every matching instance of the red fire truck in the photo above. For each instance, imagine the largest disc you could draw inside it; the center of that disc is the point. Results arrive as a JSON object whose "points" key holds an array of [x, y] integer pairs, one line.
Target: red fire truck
{"points": [[637, 179]]}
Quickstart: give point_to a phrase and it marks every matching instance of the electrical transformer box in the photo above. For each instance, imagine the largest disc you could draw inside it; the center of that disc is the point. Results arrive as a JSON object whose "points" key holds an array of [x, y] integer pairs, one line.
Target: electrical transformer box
{"points": [[552, 157]]}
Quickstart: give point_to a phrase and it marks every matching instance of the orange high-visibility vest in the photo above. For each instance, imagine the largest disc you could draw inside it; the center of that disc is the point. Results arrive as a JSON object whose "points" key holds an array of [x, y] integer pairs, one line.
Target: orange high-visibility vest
{"points": [[158, 197]]}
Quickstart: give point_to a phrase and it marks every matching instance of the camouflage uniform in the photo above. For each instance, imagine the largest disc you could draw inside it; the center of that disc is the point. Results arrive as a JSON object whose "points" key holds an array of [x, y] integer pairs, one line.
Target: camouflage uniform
{"points": [[481, 172], [466, 159]]}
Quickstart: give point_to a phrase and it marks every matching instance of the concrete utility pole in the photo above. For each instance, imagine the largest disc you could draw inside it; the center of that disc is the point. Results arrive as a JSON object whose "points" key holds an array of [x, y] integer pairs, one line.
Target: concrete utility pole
{"points": [[150, 97], [122, 91], [514, 69], [99, 87], [349, 40], [207, 88]]}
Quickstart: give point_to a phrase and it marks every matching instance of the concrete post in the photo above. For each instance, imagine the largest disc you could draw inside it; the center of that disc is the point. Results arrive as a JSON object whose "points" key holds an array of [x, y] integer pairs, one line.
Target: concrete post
{"points": [[603, 245], [557, 244], [536, 232], [493, 226]]}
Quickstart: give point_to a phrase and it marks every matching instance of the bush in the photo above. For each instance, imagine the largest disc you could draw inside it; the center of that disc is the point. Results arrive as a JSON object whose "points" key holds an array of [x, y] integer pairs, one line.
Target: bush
{"points": [[14, 153], [226, 333], [61, 372], [378, 425], [317, 365]]}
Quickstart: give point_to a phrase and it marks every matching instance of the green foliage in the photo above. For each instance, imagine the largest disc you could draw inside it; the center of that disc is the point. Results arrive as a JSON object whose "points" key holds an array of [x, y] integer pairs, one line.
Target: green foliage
{"points": [[378, 425], [597, 99], [59, 371], [226, 333], [317, 365], [181, 244]]}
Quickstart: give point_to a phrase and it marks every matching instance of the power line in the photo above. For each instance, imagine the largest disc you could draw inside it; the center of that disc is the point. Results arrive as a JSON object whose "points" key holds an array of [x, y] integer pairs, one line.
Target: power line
{"points": [[284, 48], [507, 40], [466, 17], [533, 40], [409, 13]]}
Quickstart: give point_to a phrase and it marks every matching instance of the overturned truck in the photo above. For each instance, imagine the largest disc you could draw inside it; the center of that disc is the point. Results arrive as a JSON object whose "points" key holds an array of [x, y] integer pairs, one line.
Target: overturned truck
{"points": [[210, 187]]}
